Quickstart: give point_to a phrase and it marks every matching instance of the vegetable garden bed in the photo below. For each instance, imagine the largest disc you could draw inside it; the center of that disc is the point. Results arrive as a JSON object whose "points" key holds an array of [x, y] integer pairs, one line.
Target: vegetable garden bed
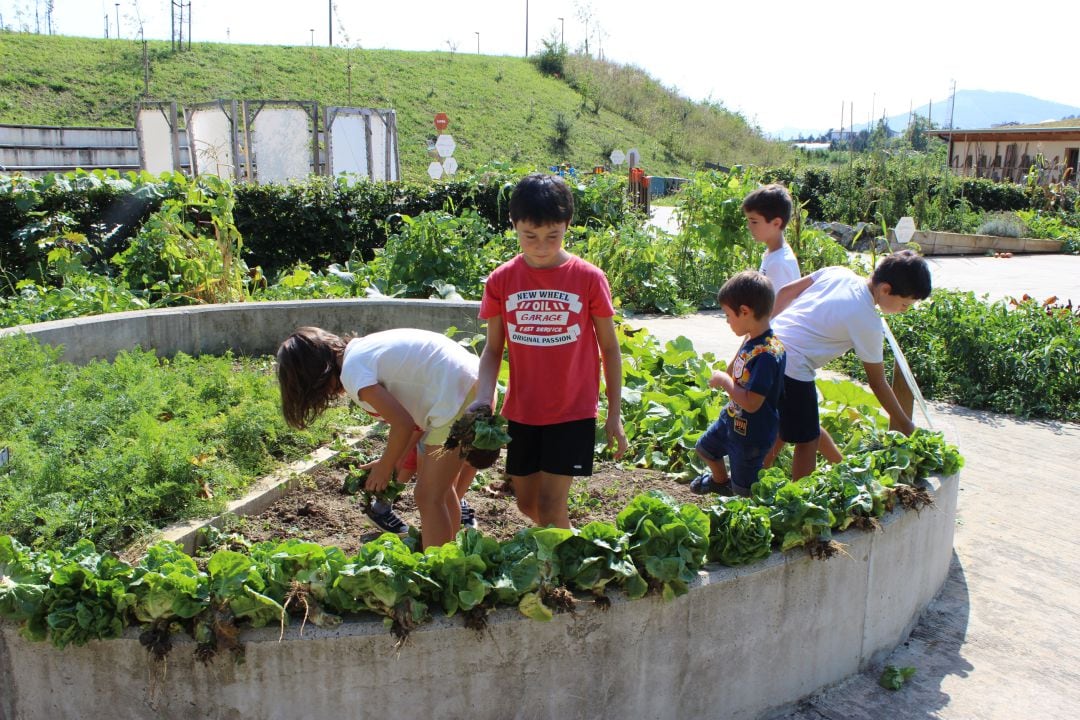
{"points": [[763, 635]]}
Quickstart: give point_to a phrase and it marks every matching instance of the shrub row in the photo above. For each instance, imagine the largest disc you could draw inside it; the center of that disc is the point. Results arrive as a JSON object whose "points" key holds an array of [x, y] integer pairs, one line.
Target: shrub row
{"points": [[318, 221]]}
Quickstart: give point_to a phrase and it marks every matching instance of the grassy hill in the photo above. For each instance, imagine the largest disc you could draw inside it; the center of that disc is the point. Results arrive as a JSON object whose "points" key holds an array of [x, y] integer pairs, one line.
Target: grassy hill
{"points": [[500, 108]]}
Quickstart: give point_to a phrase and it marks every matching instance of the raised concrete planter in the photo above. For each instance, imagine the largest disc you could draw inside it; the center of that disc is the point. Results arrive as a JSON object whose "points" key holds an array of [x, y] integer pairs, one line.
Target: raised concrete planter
{"points": [[253, 328], [743, 643], [943, 243]]}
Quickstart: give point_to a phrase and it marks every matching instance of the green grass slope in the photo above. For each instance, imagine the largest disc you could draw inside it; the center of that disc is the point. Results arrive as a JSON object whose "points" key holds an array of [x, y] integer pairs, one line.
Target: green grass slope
{"points": [[500, 108]]}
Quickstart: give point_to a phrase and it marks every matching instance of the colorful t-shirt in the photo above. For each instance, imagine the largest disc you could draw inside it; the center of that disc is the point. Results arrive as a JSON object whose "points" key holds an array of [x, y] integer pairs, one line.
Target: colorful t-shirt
{"points": [[759, 368], [427, 372], [547, 316]]}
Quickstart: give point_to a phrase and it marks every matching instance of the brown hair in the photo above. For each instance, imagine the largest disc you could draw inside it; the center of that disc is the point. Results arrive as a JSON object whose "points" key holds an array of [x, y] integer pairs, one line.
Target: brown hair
{"points": [[750, 288], [770, 202], [309, 373]]}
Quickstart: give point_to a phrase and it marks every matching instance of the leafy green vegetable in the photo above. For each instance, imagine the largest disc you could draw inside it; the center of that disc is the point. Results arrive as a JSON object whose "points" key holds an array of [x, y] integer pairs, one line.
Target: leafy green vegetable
{"points": [[740, 532], [490, 434], [893, 678], [597, 555], [794, 516], [667, 542]]}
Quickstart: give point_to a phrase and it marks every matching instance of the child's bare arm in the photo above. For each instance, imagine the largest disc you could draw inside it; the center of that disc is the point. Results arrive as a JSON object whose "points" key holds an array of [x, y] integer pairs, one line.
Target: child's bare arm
{"points": [[787, 294], [490, 362], [748, 401], [611, 356], [875, 376], [397, 444]]}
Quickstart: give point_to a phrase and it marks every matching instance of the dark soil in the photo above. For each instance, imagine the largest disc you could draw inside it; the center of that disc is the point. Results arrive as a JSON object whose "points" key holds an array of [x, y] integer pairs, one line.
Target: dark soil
{"points": [[318, 510]]}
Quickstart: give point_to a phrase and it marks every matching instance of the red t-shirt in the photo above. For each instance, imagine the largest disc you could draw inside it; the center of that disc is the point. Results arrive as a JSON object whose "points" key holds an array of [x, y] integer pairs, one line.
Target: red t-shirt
{"points": [[547, 315]]}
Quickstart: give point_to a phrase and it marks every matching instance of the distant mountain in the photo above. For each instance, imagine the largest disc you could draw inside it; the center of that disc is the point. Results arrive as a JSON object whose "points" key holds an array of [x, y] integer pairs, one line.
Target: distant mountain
{"points": [[985, 108]]}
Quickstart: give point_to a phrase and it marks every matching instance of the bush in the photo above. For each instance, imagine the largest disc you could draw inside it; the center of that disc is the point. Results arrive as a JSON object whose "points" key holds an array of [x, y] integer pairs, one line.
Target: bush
{"points": [[1021, 357], [1002, 225]]}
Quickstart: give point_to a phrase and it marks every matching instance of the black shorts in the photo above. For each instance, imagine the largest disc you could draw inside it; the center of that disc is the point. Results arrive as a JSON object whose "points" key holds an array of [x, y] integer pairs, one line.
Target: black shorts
{"points": [[561, 449], [799, 411]]}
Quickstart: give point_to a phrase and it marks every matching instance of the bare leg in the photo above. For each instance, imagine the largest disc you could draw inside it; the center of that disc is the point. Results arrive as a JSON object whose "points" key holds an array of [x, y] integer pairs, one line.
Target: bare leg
{"points": [[542, 497], [804, 459], [440, 513], [770, 457], [828, 449], [717, 468]]}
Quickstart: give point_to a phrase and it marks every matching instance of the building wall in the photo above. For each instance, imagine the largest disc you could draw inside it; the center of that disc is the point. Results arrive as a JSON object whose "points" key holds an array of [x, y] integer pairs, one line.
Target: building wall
{"points": [[1010, 159]]}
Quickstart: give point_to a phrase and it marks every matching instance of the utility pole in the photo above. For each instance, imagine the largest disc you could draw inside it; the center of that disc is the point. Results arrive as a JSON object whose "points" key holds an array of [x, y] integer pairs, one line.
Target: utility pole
{"points": [[477, 34], [526, 28], [330, 22], [562, 32], [952, 104], [117, 21]]}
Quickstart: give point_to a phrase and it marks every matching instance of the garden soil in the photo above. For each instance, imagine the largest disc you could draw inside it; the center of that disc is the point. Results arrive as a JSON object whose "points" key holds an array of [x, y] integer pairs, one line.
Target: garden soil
{"points": [[319, 510]]}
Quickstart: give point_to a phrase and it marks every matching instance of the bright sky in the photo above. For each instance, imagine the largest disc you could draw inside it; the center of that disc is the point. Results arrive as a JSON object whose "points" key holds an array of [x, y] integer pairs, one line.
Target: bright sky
{"points": [[781, 63]]}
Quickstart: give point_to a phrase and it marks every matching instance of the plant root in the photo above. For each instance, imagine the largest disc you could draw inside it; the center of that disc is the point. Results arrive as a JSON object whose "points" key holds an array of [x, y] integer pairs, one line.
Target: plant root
{"points": [[825, 549], [476, 618], [602, 602], [299, 593], [869, 524], [558, 599], [157, 640], [913, 498]]}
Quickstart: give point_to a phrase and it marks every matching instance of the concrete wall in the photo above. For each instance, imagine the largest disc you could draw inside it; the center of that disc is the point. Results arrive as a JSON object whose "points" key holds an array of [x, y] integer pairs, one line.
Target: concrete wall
{"points": [[254, 328], [944, 243], [744, 643]]}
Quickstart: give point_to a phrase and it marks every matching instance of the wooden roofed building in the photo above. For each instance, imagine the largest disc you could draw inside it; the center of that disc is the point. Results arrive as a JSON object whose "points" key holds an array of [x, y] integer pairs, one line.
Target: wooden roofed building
{"points": [[1008, 152]]}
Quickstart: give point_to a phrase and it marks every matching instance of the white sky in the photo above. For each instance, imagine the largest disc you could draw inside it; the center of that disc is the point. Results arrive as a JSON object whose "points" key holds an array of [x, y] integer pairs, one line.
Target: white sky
{"points": [[781, 63]]}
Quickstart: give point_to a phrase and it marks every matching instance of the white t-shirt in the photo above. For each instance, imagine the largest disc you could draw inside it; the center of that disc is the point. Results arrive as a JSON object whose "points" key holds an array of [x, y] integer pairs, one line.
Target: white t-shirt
{"points": [[835, 314], [780, 266], [428, 373]]}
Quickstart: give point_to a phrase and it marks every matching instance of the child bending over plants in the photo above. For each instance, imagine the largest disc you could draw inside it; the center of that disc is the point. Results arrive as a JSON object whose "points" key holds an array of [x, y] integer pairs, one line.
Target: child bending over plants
{"points": [[748, 424], [823, 315], [411, 379], [553, 311]]}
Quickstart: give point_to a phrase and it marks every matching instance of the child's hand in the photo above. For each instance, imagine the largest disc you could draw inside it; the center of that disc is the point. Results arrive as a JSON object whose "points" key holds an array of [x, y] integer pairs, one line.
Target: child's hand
{"points": [[476, 405], [616, 436], [721, 380], [379, 477]]}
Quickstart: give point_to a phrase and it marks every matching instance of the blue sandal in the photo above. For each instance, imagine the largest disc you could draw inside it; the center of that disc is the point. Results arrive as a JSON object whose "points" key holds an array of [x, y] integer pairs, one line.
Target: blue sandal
{"points": [[703, 485]]}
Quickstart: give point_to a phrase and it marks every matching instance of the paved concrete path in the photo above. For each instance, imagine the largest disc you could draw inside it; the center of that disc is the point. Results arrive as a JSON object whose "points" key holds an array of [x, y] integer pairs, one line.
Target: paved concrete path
{"points": [[1002, 639]]}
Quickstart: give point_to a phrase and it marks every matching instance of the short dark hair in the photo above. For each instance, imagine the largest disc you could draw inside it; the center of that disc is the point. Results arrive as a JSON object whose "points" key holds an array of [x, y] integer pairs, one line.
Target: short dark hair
{"points": [[770, 202], [542, 199], [906, 272], [750, 288], [309, 372]]}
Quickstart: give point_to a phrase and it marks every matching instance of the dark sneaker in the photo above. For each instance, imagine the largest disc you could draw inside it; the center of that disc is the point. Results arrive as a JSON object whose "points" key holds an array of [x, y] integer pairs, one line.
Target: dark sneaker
{"points": [[388, 521], [468, 516], [703, 485]]}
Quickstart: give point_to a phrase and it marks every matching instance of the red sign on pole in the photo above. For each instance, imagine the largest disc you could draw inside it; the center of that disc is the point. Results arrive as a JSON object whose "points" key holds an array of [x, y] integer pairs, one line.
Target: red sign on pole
{"points": [[441, 121]]}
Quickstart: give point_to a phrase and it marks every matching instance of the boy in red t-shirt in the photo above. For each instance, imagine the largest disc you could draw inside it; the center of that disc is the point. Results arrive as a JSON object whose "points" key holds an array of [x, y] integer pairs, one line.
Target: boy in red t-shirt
{"points": [[553, 311]]}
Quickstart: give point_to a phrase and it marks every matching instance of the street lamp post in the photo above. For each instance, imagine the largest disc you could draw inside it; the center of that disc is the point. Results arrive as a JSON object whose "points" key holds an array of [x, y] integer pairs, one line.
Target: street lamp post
{"points": [[477, 34], [312, 37], [562, 32], [526, 28], [118, 20]]}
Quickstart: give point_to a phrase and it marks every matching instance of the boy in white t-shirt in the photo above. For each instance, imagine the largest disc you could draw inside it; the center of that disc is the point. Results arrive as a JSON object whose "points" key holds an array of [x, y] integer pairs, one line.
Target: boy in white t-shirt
{"points": [[822, 316], [768, 211]]}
